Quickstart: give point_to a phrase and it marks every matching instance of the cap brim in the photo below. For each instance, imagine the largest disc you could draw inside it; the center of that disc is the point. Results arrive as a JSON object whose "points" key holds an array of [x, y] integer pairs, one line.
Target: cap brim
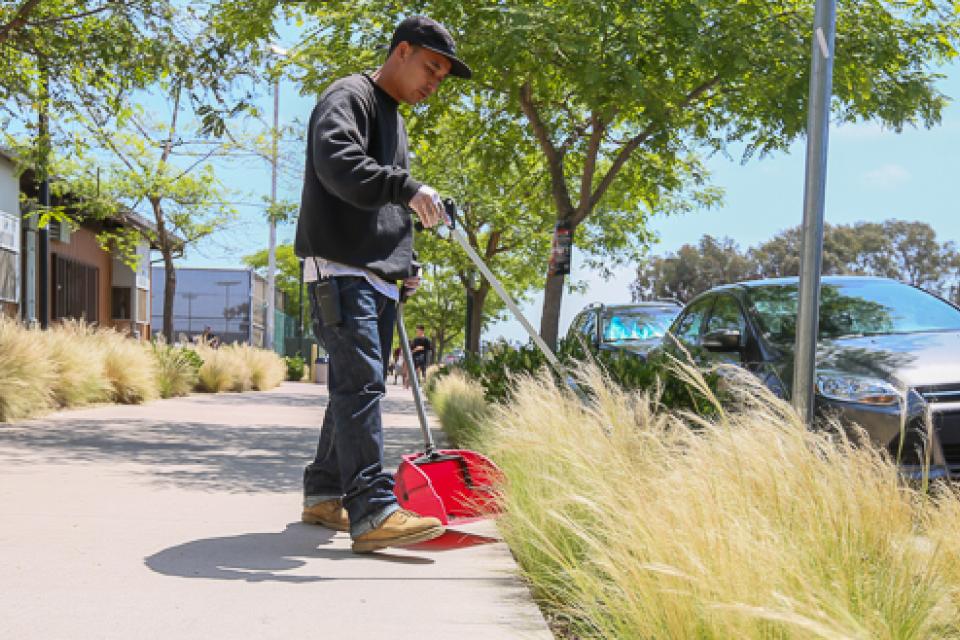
{"points": [[458, 67]]}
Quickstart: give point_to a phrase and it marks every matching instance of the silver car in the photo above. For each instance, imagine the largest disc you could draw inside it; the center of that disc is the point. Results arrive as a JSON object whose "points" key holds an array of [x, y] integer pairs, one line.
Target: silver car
{"points": [[886, 352]]}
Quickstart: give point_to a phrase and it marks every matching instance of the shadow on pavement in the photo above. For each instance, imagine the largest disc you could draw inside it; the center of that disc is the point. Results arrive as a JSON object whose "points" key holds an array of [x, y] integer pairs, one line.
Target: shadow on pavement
{"points": [[248, 459], [260, 557]]}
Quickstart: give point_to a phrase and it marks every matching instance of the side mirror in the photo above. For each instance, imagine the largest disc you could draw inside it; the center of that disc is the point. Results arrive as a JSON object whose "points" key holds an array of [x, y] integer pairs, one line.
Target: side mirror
{"points": [[723, 340]]}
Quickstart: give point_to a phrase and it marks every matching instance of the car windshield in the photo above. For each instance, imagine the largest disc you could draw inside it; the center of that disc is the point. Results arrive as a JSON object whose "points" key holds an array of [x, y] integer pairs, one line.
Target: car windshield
{"points": [[853, 308], [636, 324]]}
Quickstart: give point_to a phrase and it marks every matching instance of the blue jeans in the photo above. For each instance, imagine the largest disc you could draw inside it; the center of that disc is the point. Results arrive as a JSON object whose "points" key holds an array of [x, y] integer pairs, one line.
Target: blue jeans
{"points": [[349, 460]]}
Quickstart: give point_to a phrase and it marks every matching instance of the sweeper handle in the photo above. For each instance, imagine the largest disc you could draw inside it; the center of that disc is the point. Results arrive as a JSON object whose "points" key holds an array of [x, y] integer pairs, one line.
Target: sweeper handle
{"points": [[412, 373], [451, 223]]}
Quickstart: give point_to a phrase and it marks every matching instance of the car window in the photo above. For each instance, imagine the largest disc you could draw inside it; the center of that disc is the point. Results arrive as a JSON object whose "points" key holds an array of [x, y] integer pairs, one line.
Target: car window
{"points": [[687, 329], [588, 328], [636, 323], [853, 308], [726, 316]]}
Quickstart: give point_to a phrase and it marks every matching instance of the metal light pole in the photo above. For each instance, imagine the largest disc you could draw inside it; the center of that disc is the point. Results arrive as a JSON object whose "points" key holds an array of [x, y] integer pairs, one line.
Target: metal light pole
{"points": [[272, 247], [818, 129]]}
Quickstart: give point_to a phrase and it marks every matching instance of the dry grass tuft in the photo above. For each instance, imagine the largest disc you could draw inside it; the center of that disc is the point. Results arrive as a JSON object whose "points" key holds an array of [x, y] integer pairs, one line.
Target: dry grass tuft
{"points": [[80, 364], [636, 523], [27, 374], [129, 367]]}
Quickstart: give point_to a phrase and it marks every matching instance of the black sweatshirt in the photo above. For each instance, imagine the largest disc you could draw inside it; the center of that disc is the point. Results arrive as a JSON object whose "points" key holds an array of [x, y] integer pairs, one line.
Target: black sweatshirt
{"points": [[356, 183]]}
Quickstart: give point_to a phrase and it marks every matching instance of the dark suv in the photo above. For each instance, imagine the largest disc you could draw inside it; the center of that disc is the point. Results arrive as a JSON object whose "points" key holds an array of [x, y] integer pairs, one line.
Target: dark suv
{"points": [[886, 352], [636, 327]]}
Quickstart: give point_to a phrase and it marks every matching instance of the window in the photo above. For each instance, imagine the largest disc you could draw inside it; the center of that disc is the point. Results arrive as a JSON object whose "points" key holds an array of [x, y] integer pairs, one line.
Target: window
{"points": [[75, 289], [120, 303], [688, 328], [726, 316], [8, 275]]}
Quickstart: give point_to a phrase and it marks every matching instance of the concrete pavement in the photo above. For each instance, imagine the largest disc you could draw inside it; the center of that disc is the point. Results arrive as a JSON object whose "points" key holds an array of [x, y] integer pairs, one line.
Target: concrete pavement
{"points": [[180, 519]]}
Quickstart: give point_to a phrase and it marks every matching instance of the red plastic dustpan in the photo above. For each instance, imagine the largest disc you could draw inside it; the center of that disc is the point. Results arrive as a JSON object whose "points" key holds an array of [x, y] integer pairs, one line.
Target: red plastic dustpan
{"points": [[453, 485]]}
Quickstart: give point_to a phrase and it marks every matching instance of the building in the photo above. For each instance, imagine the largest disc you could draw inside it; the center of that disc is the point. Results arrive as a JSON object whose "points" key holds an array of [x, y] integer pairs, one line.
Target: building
{"points": [[232, 302], [10, 260], [83, 280]]}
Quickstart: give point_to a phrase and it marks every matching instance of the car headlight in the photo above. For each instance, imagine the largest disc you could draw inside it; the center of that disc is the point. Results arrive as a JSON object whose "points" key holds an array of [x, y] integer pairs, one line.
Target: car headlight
{"points": [[851, 388]]}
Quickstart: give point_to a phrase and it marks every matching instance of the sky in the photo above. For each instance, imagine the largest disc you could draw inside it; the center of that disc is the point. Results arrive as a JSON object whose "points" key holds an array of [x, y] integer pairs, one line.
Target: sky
{"points": [[873, 174]]}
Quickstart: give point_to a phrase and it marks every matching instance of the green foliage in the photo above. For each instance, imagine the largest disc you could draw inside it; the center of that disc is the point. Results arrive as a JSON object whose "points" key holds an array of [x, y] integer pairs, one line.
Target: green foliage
{"points": [[295, 367], [907, 251], [657, 373], [621, 98], [287, 274]]}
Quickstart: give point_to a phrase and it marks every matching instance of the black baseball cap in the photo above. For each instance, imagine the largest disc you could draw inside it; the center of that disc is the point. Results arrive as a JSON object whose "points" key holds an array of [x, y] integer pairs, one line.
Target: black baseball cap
{"points": [[430, 34]]}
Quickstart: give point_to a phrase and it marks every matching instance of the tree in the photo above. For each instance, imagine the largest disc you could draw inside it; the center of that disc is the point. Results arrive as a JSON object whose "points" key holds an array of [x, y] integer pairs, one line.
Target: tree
{"points": [[620, 96], [439, 305], [288, 274], [692, 270], [152, 165], [501, 199], [898, 249]]}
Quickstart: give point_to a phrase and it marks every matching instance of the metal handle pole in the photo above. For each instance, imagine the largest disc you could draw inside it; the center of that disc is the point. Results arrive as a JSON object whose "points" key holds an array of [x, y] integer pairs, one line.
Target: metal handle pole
{"points": [[507, 300], [417, 395]]}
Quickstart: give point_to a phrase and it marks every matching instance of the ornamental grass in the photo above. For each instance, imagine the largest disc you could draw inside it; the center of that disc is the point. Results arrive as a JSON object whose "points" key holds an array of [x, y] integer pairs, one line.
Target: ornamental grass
{"points": [[632, 521]]}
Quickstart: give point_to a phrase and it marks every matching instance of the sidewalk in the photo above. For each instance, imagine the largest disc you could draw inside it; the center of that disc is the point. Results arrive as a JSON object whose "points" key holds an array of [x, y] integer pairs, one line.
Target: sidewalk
{"points": [[180, 519]]}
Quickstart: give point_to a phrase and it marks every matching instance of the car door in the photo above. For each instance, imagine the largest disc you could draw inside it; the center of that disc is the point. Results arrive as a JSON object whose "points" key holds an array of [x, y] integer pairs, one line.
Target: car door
{"points": [[688, 328], [726, 316]]}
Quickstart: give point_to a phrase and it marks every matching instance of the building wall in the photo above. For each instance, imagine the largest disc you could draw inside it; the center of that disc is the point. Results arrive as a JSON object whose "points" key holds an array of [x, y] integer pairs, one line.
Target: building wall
{"points": [[10, 248], [83, 247]]}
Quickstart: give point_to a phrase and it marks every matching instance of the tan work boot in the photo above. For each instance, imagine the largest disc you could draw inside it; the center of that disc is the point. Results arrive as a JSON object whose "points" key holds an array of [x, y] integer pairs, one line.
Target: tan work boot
{"points": [[401, 528], [329, 513]]}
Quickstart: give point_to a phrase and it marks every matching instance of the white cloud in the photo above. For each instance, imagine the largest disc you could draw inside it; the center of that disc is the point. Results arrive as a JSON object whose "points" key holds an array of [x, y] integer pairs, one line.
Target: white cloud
{"points": [[888, 176]]}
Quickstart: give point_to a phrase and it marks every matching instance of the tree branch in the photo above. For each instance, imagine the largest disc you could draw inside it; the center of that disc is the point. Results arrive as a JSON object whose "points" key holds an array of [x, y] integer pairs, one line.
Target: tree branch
{"points": [[75, 16], [19, 20], [597, 129], [624, 154], [554, 158]]}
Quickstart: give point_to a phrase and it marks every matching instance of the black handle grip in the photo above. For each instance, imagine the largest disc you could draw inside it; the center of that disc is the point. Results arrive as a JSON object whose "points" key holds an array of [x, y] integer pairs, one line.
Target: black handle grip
{"points": [[404, 291], [450, 207]]}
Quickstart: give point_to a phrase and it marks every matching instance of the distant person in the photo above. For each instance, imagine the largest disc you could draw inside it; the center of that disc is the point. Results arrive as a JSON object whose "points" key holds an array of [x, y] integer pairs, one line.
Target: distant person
{"points": [[397, 364], [422, 350], [209, 338]]}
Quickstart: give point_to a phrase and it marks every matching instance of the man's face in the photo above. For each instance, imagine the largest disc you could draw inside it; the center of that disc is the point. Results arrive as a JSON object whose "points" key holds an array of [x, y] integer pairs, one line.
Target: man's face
{"points": [[421, 72], [419, 332]]}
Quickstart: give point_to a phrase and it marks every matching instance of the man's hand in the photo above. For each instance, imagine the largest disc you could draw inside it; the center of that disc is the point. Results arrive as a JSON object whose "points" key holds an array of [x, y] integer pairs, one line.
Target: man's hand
{"points": [[410, 286], [426, 203]]}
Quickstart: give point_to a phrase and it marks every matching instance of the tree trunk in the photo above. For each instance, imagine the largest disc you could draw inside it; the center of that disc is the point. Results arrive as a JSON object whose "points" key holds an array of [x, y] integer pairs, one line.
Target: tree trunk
{"points": [[550, 320], [169, 291], [477, 298]]}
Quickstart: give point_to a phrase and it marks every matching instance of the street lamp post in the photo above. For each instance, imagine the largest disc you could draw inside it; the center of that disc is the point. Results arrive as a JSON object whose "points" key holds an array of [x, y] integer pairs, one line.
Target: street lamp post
{"points": [[818, 128], [272, 247]]}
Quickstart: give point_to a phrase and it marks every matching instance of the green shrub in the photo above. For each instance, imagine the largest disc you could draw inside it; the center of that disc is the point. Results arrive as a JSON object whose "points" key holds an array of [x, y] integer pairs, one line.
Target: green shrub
{"points": [[657, 373], [296, 366], [193, 357], [176, 369]]}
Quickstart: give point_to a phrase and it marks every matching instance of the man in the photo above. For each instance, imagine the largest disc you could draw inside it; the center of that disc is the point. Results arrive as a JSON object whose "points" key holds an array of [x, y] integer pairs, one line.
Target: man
{"points": [[421, 348], [355, 233]]}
